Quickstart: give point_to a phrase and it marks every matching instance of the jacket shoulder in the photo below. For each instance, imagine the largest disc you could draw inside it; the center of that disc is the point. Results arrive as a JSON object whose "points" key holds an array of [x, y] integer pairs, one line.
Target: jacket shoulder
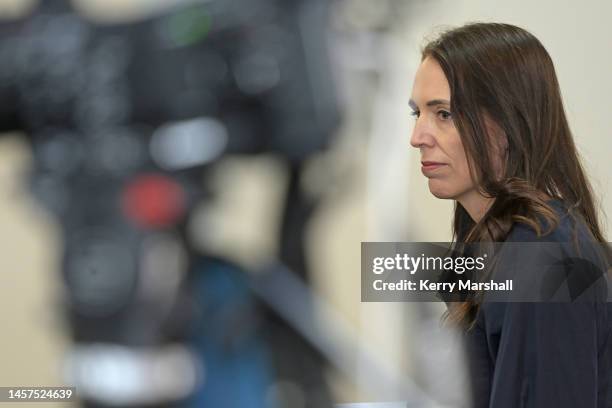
{"points": [[568, 229]]}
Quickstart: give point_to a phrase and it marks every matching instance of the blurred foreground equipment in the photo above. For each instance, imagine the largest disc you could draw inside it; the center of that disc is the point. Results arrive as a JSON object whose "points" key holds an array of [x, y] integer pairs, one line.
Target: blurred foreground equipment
{"points": [[123, 120]]}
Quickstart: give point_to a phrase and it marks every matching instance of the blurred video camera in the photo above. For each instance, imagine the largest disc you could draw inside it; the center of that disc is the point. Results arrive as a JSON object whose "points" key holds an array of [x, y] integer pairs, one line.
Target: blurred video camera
{"points": [[123, 119]]}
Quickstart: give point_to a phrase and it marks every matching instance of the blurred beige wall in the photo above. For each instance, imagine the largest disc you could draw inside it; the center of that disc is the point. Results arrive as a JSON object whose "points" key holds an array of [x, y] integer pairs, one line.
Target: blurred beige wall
{"points": [[32, 341]]}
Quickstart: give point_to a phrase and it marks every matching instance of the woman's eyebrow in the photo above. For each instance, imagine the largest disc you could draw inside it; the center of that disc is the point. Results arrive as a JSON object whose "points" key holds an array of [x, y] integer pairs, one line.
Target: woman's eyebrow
{"points": [[433, 102]]}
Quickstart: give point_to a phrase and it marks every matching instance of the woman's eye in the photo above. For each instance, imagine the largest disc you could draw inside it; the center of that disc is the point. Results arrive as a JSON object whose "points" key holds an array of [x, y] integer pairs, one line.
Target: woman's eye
{"points": [[444, 115], [415, 113]]}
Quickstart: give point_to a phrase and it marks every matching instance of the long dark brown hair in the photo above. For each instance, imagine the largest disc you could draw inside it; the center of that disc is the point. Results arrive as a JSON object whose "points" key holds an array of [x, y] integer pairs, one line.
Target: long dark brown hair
{"points": [[501, 77]]}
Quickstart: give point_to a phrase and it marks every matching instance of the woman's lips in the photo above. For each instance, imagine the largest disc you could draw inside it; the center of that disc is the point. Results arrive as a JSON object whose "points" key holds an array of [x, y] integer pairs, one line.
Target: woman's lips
{"points": [[430, 166]]}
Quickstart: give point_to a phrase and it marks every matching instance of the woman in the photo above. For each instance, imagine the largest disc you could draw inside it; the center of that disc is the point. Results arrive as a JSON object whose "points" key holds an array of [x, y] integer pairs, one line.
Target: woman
{"points": [[493, 136]]}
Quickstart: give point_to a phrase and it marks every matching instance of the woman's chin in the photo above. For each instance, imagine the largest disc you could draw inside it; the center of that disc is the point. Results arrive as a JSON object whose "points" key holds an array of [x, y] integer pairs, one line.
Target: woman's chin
{"points": [[439, 191], [442, 195]]}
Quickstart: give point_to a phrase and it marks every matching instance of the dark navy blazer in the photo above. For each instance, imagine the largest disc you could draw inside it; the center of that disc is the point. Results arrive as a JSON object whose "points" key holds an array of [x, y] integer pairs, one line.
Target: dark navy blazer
{"points": [[542, 355]]}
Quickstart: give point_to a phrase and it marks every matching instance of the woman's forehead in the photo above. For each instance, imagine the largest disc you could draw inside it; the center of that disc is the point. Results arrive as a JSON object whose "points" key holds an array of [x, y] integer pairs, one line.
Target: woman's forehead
{"points": [[430, 82]]}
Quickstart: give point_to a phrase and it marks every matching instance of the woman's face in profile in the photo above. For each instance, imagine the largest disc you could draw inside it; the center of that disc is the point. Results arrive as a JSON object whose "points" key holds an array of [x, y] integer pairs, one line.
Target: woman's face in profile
{"points": [[443, 158]]}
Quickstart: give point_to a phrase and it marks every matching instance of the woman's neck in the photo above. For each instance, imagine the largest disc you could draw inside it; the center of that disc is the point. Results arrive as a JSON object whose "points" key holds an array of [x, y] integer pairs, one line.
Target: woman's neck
{"points": [[475, 204]]}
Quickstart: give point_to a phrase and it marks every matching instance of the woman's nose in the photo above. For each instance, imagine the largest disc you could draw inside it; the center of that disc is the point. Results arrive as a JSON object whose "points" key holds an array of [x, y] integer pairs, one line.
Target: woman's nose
{"points": [[421, 136]]}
